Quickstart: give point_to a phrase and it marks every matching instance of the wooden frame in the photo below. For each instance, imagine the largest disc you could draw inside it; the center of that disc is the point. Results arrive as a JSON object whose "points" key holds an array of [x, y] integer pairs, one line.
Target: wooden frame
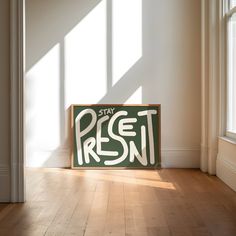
{"points": [[158, 165]]}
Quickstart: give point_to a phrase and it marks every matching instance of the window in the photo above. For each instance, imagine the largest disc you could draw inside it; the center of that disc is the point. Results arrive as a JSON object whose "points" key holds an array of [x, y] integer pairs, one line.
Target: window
{"points": [[231, 70], [232, 3]]}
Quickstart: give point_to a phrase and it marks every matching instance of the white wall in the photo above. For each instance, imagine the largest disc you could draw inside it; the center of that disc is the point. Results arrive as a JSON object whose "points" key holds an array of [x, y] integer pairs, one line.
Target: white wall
{"points": [[153, 56], [4, 101]]}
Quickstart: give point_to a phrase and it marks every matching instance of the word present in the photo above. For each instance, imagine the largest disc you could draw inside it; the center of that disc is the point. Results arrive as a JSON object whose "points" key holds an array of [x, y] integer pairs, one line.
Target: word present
{"points": [[93, 146]]}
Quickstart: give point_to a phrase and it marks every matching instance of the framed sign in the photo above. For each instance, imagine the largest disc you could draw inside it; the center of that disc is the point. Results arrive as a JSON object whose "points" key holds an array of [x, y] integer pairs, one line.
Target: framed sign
{"points": [[121, 136]]}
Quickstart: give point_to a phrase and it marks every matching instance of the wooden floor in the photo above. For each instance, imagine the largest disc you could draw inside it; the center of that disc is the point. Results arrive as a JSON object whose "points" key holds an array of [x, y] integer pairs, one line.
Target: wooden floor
{"points": [[121, 202]]}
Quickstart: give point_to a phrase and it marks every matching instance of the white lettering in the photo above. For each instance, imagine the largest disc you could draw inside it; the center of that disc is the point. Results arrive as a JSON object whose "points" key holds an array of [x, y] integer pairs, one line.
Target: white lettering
{"points": [[149, 114], [101, 139], [118, 138], [88, 149], [118, 126], [80, 133], [106, 111], [134, 152], [100, 113], [123, 127]]}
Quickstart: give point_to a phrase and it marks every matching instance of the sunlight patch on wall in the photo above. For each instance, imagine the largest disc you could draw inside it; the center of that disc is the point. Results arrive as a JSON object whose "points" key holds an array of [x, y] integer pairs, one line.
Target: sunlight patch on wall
{"points": [[127, 36], [136, 97], [85, 59], [42, 84], [37, 158]]}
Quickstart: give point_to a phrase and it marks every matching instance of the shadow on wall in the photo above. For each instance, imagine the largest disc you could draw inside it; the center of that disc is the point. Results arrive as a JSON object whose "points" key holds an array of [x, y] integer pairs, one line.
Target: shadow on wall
{"points": [[85, 52]]}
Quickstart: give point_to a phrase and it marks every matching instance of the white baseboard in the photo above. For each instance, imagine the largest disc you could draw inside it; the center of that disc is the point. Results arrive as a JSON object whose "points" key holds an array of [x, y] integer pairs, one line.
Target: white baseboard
{"points": [[226, 171], [170, 158], [4, 183], [180, 158]]}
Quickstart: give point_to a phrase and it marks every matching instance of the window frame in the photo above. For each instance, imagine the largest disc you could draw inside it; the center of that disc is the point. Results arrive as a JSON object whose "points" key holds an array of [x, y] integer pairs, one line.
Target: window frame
{"points": [[229, 12]]}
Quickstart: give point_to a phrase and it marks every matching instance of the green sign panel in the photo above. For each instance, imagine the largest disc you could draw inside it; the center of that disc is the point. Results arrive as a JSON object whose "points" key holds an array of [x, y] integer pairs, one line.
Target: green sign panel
{"points": [[126, 136]]}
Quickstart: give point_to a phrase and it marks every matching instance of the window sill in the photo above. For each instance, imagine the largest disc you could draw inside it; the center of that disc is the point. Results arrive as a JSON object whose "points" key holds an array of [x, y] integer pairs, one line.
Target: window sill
{"points": [[228, 139]]}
